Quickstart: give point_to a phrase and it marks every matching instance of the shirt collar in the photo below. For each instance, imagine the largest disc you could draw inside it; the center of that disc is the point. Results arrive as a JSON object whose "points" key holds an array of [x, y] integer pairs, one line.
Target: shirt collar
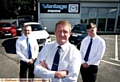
{"points": [[64, 46], [25, 36], [93, 37]]}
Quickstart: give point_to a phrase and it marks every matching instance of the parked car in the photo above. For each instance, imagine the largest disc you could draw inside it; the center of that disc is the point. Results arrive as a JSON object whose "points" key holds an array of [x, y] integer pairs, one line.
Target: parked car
{"points": [[40, 33], [17, 27], [79, 32], [19, 22], [7, 29]]}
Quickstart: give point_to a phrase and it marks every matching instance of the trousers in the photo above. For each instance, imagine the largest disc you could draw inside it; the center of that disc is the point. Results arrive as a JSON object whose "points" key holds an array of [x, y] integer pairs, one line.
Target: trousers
{"points": [[24, 68], [89, 74]]}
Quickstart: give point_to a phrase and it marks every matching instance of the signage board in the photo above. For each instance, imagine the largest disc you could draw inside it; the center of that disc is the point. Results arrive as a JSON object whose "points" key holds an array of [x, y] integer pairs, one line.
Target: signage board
{"points": [[60, 8]]}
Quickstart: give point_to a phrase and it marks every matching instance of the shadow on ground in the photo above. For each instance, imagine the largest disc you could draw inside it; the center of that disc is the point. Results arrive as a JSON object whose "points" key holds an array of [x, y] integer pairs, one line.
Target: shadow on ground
{"points": [[9, 45]]}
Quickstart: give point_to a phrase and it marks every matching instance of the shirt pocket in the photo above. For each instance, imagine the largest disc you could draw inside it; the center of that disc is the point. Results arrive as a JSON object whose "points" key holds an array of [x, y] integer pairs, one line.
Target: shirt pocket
{"points": [[63, 65]]}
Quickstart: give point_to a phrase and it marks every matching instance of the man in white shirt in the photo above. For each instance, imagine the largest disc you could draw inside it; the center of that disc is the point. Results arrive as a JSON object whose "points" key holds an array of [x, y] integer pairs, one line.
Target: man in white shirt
{"points": [[70, 59], [90, 62], [27, 52]]}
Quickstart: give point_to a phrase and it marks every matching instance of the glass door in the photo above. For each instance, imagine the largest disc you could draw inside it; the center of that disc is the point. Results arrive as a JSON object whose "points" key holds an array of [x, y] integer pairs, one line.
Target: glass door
{"points": [[111, 19], [102, 15]]}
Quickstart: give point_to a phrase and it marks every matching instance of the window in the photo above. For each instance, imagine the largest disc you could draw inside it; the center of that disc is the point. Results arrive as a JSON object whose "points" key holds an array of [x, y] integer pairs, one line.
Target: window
{"points": [[5, 25], [102, 15], [36, 27], [118, 23], [111, 19], [92, 15], [84, 15]]}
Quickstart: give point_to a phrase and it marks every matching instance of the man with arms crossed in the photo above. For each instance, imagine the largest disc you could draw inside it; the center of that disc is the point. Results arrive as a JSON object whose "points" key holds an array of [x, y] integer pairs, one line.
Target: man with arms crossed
{"points": [[67, 70], [92, 50]]}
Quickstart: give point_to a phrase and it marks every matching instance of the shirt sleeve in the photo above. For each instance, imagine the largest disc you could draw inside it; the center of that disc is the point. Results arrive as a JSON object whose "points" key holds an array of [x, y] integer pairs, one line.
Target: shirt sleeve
{"points": [[74, 68], [35, 50], [82, 52], [19, 52], [100, 53], [40, 71]]}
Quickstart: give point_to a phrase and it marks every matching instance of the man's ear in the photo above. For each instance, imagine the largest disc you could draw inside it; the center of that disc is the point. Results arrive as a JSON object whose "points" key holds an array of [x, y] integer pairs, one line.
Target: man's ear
{"points": [[70, 34], [96, 30]]}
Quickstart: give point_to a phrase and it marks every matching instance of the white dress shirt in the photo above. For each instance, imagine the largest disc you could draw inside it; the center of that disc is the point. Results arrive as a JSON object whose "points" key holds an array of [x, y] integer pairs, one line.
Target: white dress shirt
{"points": [[70, 60], [21, 48], [97, 49]]}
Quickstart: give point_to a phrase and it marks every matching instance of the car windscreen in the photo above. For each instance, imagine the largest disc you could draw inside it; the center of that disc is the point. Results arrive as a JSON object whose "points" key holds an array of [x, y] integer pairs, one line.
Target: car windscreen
{"points": [[36, 27], [5, 25], [79, 29]]}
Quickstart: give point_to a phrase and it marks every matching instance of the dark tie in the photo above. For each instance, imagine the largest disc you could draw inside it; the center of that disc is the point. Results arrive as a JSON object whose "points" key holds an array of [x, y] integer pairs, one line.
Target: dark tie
{"points": [[88, 51], [56, 60], [29, 50]]}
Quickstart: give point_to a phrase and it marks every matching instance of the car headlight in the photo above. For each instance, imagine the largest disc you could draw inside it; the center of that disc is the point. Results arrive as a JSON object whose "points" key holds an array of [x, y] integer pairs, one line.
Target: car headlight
{"points": [[13, 30], [76, 34]]}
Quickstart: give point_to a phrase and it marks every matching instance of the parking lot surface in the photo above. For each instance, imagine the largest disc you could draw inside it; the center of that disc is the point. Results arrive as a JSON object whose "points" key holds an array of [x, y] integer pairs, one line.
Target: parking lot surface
{"points": [[109, 68]]}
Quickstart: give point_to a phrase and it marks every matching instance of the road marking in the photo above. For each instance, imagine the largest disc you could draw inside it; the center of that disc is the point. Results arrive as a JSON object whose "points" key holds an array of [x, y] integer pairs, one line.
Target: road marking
{"points": [[116, 48], [115, 59], [111, 63]]}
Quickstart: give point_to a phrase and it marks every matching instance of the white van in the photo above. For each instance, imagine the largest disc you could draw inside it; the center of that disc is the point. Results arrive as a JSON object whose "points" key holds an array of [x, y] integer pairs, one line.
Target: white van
{"points": [[39, 33]]}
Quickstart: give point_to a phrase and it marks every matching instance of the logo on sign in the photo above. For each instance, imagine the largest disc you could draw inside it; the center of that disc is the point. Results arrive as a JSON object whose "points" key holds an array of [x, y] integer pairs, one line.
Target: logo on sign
{"points": [[73, 8]]}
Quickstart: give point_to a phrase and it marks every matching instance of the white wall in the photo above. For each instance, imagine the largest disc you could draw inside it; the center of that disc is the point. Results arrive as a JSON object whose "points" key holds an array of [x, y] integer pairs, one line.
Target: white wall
{"points": [[50, 23], [49, 20]]}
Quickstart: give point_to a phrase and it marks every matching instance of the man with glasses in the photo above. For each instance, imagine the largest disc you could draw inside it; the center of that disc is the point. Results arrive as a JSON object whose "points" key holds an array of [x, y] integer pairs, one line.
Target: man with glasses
{"points": [[92, 50]]}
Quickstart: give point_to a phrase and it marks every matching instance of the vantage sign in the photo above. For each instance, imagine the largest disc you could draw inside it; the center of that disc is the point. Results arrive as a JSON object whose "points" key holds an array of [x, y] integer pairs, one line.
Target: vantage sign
{"points": [[59, 8]]}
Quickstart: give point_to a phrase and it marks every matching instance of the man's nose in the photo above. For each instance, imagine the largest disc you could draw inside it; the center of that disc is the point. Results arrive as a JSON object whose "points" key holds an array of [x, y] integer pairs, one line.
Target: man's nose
{"points": [[62, 33]]}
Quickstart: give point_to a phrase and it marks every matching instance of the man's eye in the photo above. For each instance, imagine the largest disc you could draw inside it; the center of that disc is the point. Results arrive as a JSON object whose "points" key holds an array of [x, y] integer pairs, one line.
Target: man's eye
{"points": [[27, 30]]}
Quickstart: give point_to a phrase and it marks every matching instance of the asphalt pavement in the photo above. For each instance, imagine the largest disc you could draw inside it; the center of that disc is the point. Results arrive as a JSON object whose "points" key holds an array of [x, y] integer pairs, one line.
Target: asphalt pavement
{"points": [[8, 67], [109, 68]]}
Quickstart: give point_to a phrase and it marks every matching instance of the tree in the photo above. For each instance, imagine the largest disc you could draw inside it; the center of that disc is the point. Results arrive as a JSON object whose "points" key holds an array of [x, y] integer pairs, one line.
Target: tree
{"points": [[13, 8]]}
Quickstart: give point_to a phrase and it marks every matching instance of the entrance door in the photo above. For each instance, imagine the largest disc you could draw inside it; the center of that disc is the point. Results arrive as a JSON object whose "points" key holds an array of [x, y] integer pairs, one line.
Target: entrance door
{"points": [[111, 19]]}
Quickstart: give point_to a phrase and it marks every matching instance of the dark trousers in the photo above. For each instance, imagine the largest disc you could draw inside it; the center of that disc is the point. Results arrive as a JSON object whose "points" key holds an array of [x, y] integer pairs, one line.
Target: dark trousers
{"points": [[89, 74], [25, 68]]}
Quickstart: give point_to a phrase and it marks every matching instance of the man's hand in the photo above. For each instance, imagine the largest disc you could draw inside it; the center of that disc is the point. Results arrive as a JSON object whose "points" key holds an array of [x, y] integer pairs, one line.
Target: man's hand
{"points": [[61, 74], [43, 64], [58, 74], [30, 61], [85, 65]]}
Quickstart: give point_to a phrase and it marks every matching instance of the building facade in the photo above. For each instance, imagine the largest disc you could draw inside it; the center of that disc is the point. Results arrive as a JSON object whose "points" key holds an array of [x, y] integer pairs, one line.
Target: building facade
{"points": [[104, 13]]}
